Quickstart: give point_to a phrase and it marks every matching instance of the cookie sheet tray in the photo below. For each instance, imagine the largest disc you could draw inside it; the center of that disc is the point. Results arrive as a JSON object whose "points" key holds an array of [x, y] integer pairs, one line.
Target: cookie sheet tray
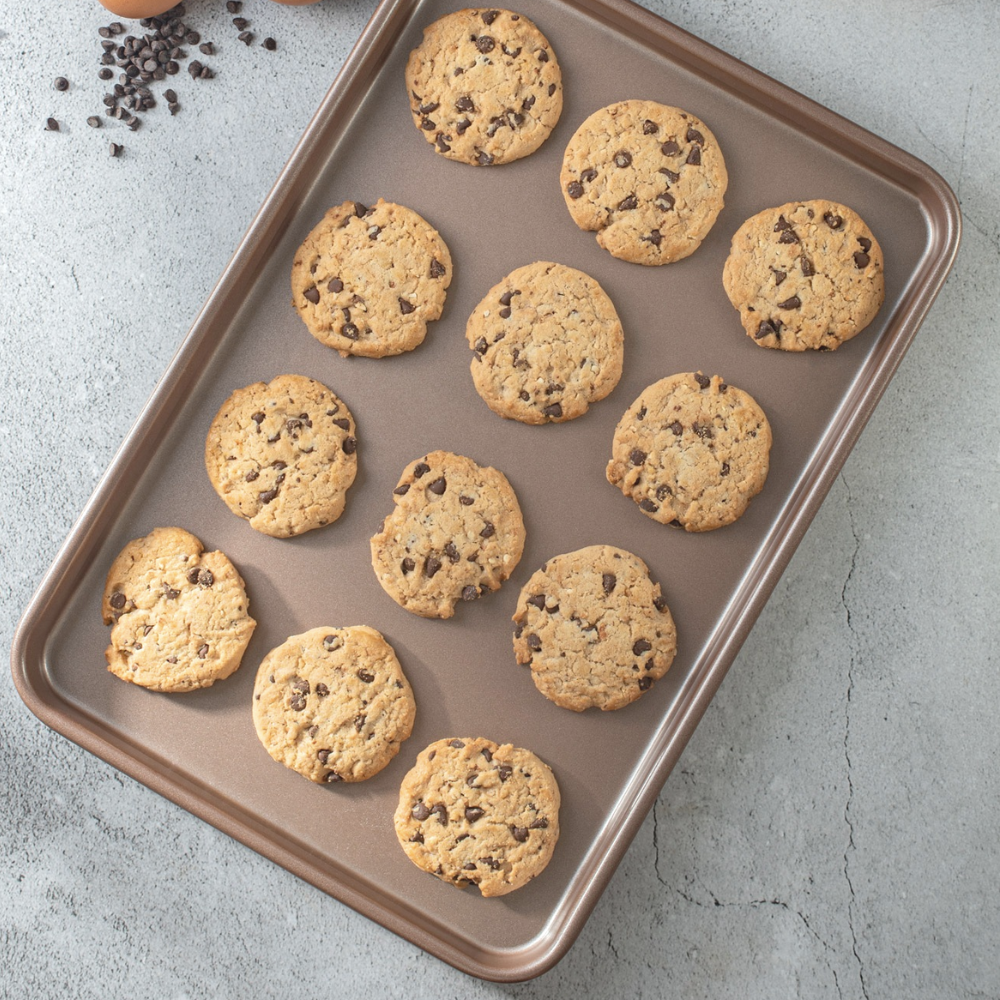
{"points": [[200, 749]]}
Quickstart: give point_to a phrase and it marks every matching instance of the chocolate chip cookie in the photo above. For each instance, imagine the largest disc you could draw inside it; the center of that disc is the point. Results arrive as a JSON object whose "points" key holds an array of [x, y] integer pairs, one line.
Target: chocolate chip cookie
{"points": [[691, 451], [546, 343], [367, 281], [455, 533], [475, 813], [484, 86], [650, 179], [808, 275], [594, 628], [282, 455], [179, 615], [333, 704]]}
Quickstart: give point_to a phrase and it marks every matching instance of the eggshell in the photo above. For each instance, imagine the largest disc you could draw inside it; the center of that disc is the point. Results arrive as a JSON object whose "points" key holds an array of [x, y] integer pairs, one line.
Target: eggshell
{"points": [[135, 9]]}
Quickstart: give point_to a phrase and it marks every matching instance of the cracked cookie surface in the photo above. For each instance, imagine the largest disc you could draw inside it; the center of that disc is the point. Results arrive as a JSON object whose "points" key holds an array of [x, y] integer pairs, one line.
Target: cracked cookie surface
{"points": [[455, 534], [179, 615], [546, 343], [808, 275], [367, 281], [333, 704], [594, 628], [649, 178], [473, 812], [484, 86], [283, 454], [691, 451]]}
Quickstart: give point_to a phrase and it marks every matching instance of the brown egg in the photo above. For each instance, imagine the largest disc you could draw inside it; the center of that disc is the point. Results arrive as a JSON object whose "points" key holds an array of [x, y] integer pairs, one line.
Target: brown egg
{"points": [[135, 9]]}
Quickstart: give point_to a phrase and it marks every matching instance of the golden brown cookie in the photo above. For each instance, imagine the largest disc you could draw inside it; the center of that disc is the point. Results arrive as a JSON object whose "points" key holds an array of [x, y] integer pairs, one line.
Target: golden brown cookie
{"points": [[594, 628], [282, 455], [808, 275], [179, 615], [475, 813], [546, 343], [455, 533], [333, 704], [484, 86], [649, 178], [691, 451], [367, 281]]}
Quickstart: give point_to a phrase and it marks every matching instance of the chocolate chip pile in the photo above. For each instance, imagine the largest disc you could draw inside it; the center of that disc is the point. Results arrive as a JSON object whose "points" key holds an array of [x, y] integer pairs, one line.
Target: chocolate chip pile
{"points": [[151, 57]]}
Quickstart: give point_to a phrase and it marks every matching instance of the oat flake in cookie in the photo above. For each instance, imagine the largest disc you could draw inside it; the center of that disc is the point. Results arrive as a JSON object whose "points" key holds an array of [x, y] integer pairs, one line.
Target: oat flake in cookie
{"points": [[367, 281], [546, 343], [475, 813], [650, 179], [484, 86], [594, 628], [808, 275], [282, 455], [691, 451], [333, 704], [179, 615], [455, 534]]}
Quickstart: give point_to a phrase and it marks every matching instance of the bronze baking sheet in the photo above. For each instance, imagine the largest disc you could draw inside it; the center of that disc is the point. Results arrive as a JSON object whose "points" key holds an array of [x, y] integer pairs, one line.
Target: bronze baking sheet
{"points": [[201, 750]]}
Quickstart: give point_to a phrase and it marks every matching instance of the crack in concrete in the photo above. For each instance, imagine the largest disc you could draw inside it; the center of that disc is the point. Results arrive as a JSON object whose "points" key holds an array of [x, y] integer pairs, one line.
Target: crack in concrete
{"points": [[850, 848], [757, 903], [656, 846]]}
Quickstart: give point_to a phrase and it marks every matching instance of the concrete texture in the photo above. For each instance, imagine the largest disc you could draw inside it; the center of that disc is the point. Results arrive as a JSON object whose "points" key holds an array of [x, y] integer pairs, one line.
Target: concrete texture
{"points": [[830, 830]]}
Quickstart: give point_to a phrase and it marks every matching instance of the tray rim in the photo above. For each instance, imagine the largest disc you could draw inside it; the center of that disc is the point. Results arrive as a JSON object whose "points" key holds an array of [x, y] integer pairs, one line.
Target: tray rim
{"points": [[542, 952]]}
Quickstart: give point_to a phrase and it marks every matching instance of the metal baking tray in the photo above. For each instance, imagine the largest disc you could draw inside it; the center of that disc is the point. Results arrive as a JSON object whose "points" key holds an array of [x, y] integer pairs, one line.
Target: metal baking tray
{"points": [[200, 749]]}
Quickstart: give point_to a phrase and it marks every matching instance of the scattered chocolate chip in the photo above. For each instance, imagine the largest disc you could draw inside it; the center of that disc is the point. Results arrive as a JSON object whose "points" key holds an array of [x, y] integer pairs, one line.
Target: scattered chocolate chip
{"points": [[608, 581], [694, 156], [703, 380], [332, 778], [312, 294], [808, 270], [470, 593], [485, 44], [350, 445], [637, 457], [655, 237], [641, 646], [505, 771], [833, 221], [105, 74], [793, 303], [61, 83], [270, 44], [350, 331], [488, 531], [484, 159], [553, 410], [703, 431], [472, 813], [170, 594], [693, 135], [481, 346], [623, 159], [335, 285], [574, 189], [363, 675], [645, 683], [538, 600], [117, 600], [421, 469], [534, 643], [650, 127], [519, 833], [670, 175], [267, 496], [663, 491], [628, 203], [866, 244], [203, 650], [322, 690], [861, 260], [677, 428], [543, 56], [401, 491], [766, 328], [437, 269], [431, 566], [51, 125], [647, 505], [428, 124], [779, 276], [489, 16], [407, 565], [441, 812], [438, 486]]}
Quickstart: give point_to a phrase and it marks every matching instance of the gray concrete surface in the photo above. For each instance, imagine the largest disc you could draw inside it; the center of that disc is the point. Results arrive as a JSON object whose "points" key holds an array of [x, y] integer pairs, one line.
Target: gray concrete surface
{"points": [[831, 830]]}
